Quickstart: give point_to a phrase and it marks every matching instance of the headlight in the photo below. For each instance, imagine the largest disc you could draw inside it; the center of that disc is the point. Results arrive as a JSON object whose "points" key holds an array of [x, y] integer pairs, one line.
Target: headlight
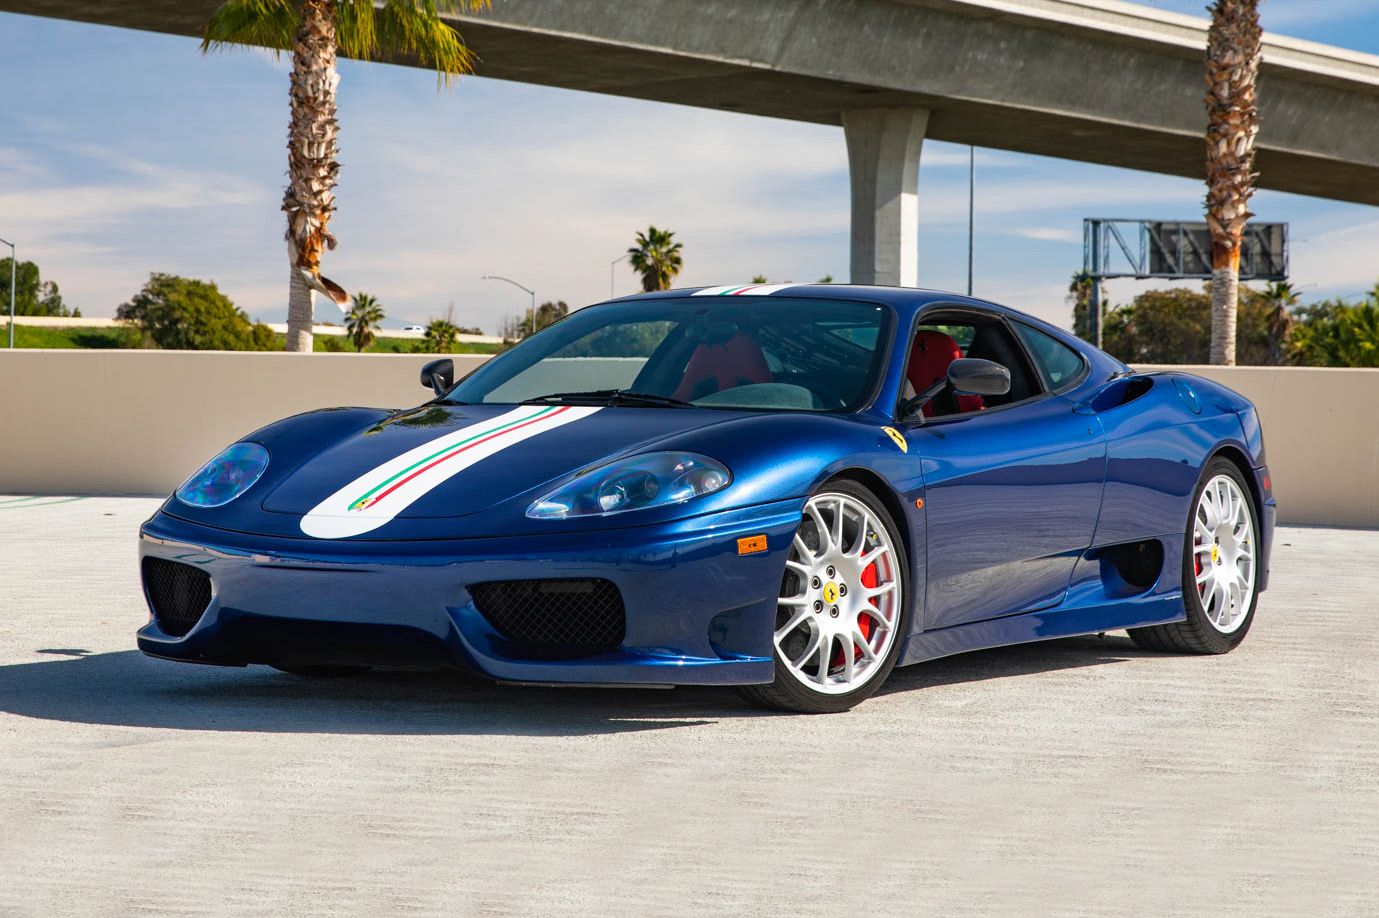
{"points": [[635, 483], [225, 477]]}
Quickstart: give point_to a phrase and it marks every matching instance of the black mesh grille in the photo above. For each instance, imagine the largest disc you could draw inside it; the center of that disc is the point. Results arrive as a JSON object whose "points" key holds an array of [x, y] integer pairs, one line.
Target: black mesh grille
{"points": [[555, 615], [178, 593]]}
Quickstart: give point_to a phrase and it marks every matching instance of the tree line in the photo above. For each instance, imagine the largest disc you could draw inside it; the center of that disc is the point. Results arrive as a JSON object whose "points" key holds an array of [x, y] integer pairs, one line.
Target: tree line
{"points": [[33, 295], [183, 313], [1273, 327]]}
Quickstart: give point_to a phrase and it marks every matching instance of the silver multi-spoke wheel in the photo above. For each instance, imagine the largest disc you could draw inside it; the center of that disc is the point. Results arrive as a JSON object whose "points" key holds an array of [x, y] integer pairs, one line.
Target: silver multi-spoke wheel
{"points": [[1220, 562], [1223, 551], [841, 597]]}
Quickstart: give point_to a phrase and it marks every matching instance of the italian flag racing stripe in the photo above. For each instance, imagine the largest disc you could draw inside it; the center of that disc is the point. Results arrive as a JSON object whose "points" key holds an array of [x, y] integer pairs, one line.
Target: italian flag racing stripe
{"points": [[383, 492], [368, 499], [744, 290]]}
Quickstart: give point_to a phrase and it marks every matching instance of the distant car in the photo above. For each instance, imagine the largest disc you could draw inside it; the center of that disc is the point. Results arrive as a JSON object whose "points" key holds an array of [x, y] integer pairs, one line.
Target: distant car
{"points": [[787, 488], [413, 328]]}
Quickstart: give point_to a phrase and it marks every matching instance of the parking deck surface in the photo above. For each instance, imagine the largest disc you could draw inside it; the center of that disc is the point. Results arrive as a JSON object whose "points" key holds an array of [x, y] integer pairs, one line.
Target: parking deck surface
{"points": [[1078, 777]]}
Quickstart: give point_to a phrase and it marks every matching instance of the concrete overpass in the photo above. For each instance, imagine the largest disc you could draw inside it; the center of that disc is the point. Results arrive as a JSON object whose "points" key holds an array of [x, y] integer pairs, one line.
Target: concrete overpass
{"points": [[1092, 80]]}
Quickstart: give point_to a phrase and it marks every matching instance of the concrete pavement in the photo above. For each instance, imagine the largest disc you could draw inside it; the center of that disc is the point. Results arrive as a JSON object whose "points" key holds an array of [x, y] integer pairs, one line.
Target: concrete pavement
{"points": [[1079, 777]]}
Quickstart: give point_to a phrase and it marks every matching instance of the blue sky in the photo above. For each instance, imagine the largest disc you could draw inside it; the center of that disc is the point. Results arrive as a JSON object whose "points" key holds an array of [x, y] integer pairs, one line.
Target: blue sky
{"points": [[125, 152]]}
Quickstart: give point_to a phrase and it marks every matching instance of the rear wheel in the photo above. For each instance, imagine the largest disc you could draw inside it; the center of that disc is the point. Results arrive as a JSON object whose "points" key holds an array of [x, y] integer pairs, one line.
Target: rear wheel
{"points": [[842, 607], [1220, 568]]}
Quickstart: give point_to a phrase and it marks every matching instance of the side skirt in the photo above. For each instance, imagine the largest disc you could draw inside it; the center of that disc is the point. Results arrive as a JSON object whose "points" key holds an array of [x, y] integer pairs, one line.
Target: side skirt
{"points": [[1059, 622]]}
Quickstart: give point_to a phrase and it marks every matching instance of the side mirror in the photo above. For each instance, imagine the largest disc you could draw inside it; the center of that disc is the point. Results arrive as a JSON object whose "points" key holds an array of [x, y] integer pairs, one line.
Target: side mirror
{"points": [[439, 375], [974, 376]]}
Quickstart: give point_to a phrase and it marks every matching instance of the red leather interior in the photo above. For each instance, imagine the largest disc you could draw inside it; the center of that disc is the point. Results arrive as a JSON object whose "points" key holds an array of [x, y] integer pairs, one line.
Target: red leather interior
{"points": [[715, 367], [929, 359]]}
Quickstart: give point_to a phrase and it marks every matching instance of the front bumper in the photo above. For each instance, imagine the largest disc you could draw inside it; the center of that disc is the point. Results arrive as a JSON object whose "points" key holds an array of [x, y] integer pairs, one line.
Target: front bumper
{"points": [[697, 612]]}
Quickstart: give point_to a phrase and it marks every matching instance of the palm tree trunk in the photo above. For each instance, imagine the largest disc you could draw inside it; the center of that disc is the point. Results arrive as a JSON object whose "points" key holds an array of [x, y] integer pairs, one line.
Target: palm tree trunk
{"points": [[301, 306], [1225, 303], [1280, 322], [311, 166], [1233, 52]]}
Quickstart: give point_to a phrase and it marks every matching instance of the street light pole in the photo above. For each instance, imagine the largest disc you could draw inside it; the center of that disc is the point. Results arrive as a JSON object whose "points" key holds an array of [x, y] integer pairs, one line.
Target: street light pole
{"points": [[531, 313], [610, 272], [971, 208], [13, 264]]}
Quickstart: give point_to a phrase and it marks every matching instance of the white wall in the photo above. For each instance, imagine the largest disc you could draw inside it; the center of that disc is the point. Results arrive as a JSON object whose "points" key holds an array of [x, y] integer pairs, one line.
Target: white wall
{"points": [[139, 422]]}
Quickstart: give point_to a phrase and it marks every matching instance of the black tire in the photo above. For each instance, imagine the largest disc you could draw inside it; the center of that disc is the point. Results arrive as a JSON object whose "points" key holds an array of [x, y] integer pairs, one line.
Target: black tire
{"points": [[1196, 634], [785, 693], [323, 671]]}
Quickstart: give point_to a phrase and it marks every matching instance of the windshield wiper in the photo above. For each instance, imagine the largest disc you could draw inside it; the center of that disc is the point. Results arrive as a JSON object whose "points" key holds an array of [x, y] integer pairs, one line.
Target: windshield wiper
{"points": [[612, 397]]}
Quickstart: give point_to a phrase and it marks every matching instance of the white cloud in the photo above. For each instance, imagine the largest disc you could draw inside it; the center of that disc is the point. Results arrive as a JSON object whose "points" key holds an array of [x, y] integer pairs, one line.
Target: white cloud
{"points": [[937, 153], [1046, 233], [80, 232], [546, 186], [1344, 257]]}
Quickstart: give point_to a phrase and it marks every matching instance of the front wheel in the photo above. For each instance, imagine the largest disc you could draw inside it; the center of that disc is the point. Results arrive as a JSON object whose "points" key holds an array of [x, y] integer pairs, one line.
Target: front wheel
{"points": [[1220, 568], [842, 609]]}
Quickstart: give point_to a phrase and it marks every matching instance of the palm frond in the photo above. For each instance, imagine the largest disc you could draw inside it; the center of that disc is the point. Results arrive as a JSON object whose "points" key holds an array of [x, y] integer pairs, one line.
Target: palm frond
{"points": [[356, 29], [408, 28], [263, 23]]}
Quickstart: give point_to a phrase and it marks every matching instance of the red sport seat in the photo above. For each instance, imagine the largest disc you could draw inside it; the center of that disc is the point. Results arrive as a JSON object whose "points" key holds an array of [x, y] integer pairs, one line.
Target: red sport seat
{"points": [[715, 367], [929, 359]]}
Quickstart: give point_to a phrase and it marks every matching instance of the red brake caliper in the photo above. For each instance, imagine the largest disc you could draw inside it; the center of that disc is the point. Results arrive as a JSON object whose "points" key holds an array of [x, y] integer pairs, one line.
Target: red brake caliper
{"points": [[864, 623]]}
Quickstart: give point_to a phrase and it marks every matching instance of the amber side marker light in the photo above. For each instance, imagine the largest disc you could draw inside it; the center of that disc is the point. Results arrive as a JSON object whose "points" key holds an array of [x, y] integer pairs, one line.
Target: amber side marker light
{"points": [[751, 545], [919, 503]]}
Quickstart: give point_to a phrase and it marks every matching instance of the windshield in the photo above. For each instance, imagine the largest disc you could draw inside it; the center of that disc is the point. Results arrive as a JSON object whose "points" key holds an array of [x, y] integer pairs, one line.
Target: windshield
{"points": [[776, 353]]}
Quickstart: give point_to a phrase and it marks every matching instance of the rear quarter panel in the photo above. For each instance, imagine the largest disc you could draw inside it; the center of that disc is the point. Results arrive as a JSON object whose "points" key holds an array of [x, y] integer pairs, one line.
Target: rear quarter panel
{"points": [[1156, 448]]}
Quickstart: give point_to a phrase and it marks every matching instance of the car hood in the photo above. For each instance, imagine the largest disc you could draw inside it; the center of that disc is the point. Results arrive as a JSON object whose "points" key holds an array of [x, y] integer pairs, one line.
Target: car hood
{"points": [[440, 461]]}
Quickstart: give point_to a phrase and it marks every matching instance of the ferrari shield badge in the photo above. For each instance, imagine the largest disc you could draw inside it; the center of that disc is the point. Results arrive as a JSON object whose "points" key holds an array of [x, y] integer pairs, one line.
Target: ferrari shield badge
{"points": [[898, 437]]}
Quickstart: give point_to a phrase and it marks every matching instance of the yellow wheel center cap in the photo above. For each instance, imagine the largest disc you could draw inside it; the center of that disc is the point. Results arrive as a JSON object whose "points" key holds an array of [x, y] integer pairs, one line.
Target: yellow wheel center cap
{"points": [[1215, 554], [830, 592]]}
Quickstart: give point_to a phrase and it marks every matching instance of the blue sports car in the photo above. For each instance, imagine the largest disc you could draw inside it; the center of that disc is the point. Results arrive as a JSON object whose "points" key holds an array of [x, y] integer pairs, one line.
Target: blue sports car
{"points": [[788, 488]]}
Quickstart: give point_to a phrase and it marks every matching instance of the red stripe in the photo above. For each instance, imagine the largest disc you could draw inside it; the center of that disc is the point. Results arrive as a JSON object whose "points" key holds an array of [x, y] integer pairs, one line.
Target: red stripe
{"points": [[544, 417], [745, 289]]}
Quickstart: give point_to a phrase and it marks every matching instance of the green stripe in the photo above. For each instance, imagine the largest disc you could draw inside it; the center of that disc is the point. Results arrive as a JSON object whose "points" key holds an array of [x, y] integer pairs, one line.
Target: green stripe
{"points": [[483, 433], [731, 290], [20, 505]]}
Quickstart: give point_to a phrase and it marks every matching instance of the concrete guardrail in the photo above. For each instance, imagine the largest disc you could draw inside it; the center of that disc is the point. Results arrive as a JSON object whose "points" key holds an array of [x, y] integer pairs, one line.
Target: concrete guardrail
{"points": [[139, 422]]}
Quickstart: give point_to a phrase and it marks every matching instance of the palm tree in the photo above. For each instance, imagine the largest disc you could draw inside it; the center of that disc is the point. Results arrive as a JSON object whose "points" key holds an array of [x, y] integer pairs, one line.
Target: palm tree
{"points": [[1283, 297], [363, 321], [1233, 51], [656, 258], [314, 31], [441, 336], [1080, 290]]}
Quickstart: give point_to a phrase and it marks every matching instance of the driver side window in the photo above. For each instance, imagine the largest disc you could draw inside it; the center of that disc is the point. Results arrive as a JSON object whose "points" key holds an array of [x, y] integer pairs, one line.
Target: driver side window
{"points": [[944, 337]]}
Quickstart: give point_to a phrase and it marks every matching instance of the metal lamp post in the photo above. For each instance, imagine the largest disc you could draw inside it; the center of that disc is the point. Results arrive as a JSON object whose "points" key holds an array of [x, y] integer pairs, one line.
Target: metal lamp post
{"points": [[611, 264], [14, 262], [971, 209], [531, 314]]}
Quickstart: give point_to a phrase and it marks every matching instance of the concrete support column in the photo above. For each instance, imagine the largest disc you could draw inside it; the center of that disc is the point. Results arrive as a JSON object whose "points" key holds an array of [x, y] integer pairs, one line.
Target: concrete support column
{"points": [[883, 157]]}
